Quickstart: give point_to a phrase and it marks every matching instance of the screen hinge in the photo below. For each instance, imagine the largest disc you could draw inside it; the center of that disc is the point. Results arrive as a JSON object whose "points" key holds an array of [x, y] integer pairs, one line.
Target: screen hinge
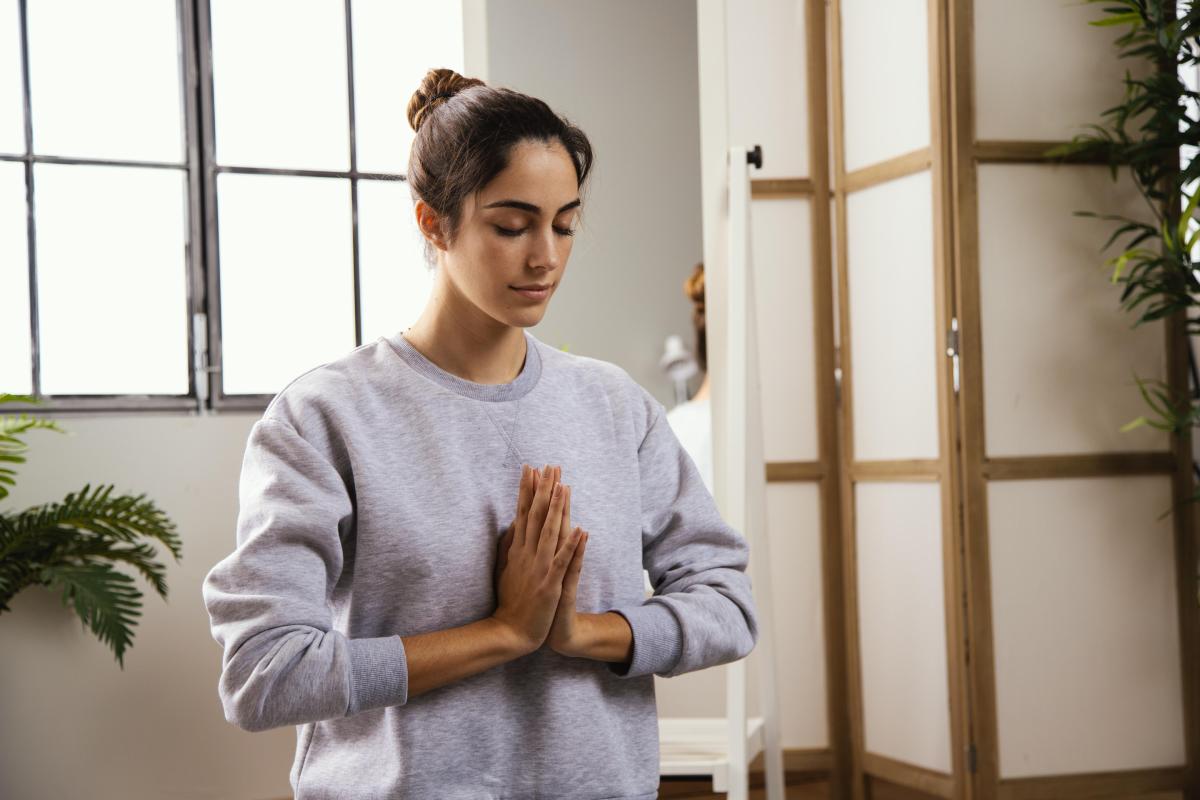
{"points": [[952, 348], [837, 377]]}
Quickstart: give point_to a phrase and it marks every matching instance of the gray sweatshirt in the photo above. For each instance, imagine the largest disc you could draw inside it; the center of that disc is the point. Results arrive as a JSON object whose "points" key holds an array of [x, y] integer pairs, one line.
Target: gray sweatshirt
{"points": [[373, 494]]}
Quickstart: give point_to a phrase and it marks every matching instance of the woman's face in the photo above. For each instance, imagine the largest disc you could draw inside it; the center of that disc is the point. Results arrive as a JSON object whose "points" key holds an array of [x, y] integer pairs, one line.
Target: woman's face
{"points": [[517, 233]]}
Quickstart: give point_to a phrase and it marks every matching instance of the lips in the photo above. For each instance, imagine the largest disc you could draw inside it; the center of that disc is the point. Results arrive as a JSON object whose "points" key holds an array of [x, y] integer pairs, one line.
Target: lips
{"points": [[532, 291]]}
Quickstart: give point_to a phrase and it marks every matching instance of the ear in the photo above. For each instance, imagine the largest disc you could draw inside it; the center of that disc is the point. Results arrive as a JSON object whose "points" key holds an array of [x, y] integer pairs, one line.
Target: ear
{"points": [[430, 224]]}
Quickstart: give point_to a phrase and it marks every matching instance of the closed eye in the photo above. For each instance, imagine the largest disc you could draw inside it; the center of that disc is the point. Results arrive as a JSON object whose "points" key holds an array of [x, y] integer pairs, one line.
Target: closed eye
{"points": [[508, 232]]}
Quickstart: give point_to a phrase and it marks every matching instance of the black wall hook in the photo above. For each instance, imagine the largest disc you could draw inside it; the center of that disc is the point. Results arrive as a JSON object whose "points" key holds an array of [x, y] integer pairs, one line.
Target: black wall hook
{"points": [[755, 156]]}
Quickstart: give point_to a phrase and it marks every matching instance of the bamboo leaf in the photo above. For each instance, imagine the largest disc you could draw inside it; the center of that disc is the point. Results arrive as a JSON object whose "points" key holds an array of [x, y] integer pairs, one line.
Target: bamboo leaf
{"points": [[1117, 19]]}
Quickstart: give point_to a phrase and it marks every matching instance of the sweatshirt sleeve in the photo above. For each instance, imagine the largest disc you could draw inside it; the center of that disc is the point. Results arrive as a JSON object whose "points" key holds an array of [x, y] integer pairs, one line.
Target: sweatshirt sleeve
{"points": [[269, 601], [702, 612]]}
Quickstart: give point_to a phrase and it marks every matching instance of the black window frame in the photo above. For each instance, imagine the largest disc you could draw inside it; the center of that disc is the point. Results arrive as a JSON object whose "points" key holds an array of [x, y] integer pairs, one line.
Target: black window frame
{"points": [[206, 392]]}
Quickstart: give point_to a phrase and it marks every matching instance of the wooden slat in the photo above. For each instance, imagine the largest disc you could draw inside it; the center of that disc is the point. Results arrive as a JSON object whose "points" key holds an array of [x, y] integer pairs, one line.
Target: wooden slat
{"points": [[1183, 485], [917, 470], [845, 428], [826, 470], [980, 684], [947, 475], [1078, 466], [1125, 784], [932, 782], [890, 170], [782, 188], [783, 471], [1024, 152]]}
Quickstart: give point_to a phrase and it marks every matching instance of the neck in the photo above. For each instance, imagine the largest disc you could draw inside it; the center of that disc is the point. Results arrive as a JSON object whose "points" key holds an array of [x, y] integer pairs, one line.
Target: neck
{"points": [[460, 339], [702, 392]]}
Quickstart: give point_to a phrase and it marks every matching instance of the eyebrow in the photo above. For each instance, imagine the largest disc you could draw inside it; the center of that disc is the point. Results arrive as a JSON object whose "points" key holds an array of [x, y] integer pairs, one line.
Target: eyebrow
{"points": [[530, 207]]}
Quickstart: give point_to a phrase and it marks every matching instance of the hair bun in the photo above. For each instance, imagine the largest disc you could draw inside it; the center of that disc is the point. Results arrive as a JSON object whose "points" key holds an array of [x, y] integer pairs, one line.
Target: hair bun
{"points": [[437, 87]]}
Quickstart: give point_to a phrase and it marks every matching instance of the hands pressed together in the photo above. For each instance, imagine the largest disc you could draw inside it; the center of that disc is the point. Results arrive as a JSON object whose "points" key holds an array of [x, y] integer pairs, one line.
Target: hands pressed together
{"points": [[538, 566]]}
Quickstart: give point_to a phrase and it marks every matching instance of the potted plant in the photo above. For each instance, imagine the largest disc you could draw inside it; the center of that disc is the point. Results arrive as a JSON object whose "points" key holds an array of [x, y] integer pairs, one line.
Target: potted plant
{"points": [[1156, 263], [73, 545]]}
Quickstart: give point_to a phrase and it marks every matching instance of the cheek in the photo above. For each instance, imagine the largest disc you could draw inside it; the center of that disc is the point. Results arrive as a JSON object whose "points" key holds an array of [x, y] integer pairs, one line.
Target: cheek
{"points": [[492, 265], [491, 247]]}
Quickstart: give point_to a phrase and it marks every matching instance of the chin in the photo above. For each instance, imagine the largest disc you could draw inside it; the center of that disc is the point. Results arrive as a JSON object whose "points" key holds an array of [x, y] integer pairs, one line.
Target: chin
{"points": [[519, 320]]}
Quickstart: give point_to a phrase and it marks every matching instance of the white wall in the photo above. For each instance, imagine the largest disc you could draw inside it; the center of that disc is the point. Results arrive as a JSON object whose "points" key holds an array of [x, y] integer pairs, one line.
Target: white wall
{"points": [[625, 72]]}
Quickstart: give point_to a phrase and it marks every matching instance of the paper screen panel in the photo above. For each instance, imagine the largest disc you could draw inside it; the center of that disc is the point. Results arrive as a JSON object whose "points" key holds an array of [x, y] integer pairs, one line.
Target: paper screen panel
{"points": [[793, 526], [1085, 625], [885, 79], [1067, 72], [889, 228], [902, 622], [768, 101], [1059, 354], [783, 289]]}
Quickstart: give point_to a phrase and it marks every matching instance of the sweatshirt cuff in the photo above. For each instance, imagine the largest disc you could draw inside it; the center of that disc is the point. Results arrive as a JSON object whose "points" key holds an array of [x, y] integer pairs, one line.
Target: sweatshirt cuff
{"points": [[657, 640], [378, 673]]}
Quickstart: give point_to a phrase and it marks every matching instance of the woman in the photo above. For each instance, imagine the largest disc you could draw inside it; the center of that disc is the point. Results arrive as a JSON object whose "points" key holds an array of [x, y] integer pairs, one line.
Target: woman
{"points": [[403, 589], [692, 421]]}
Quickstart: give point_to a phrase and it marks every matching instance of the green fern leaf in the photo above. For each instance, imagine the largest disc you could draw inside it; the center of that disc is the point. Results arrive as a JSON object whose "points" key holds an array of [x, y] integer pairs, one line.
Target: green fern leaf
{"points": [[104, 599]]}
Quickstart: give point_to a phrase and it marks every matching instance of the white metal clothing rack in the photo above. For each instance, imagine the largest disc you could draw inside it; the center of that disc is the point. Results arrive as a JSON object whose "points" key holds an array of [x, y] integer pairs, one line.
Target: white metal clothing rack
{"points": [[723, 747]]}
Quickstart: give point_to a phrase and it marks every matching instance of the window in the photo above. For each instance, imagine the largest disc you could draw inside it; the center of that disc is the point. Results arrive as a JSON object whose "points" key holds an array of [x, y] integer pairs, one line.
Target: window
{"points": [[200, 201]]}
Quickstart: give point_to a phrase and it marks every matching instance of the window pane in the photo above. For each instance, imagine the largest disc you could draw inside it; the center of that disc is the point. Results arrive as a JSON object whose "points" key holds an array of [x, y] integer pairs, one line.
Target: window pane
{"points": [[395, 282], [287, 278], [104, 80], [16, 375], [279, 84], [112, 296], [389, 62], [12, 115]]}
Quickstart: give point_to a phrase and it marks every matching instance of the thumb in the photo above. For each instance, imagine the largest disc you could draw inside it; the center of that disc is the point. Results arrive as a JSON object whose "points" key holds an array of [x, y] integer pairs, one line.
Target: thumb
{"points": [[505, 541]]}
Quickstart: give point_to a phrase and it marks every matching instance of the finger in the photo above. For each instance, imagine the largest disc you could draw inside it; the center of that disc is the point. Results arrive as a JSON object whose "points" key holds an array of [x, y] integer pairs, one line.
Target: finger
{"points": [[571, 579], [566, 523], [532, 496], [538, 509], [548, 547], [525, 495], [565, 540], [562, 559]]}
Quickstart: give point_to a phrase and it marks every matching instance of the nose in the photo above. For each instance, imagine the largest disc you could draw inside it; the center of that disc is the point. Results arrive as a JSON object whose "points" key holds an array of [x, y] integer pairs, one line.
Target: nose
{"points": [[544, 254]]}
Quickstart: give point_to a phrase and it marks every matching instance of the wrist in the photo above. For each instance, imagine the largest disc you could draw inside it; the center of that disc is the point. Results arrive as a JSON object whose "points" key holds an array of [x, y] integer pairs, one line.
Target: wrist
{"points": [[602, 637], [515, 643], [583, 637]]}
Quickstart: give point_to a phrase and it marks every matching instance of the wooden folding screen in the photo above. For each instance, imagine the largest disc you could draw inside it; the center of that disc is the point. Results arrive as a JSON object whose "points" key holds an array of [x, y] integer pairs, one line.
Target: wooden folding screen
{"points": [[1019, 623], [1083, 607]]}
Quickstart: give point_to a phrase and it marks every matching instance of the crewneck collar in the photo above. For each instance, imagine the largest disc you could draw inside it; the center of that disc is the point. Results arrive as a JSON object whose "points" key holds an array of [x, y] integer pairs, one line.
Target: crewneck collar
{"points": [[531, 370]]}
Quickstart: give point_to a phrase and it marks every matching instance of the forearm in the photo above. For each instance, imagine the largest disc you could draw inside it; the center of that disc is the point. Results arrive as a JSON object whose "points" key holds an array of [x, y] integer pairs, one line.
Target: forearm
{"points": [[604, 637], [440, 657]]}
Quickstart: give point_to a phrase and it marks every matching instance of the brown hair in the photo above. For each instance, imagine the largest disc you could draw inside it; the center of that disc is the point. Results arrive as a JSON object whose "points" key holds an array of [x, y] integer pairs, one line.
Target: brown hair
{"points": [[465, 139], [693, 289]]}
